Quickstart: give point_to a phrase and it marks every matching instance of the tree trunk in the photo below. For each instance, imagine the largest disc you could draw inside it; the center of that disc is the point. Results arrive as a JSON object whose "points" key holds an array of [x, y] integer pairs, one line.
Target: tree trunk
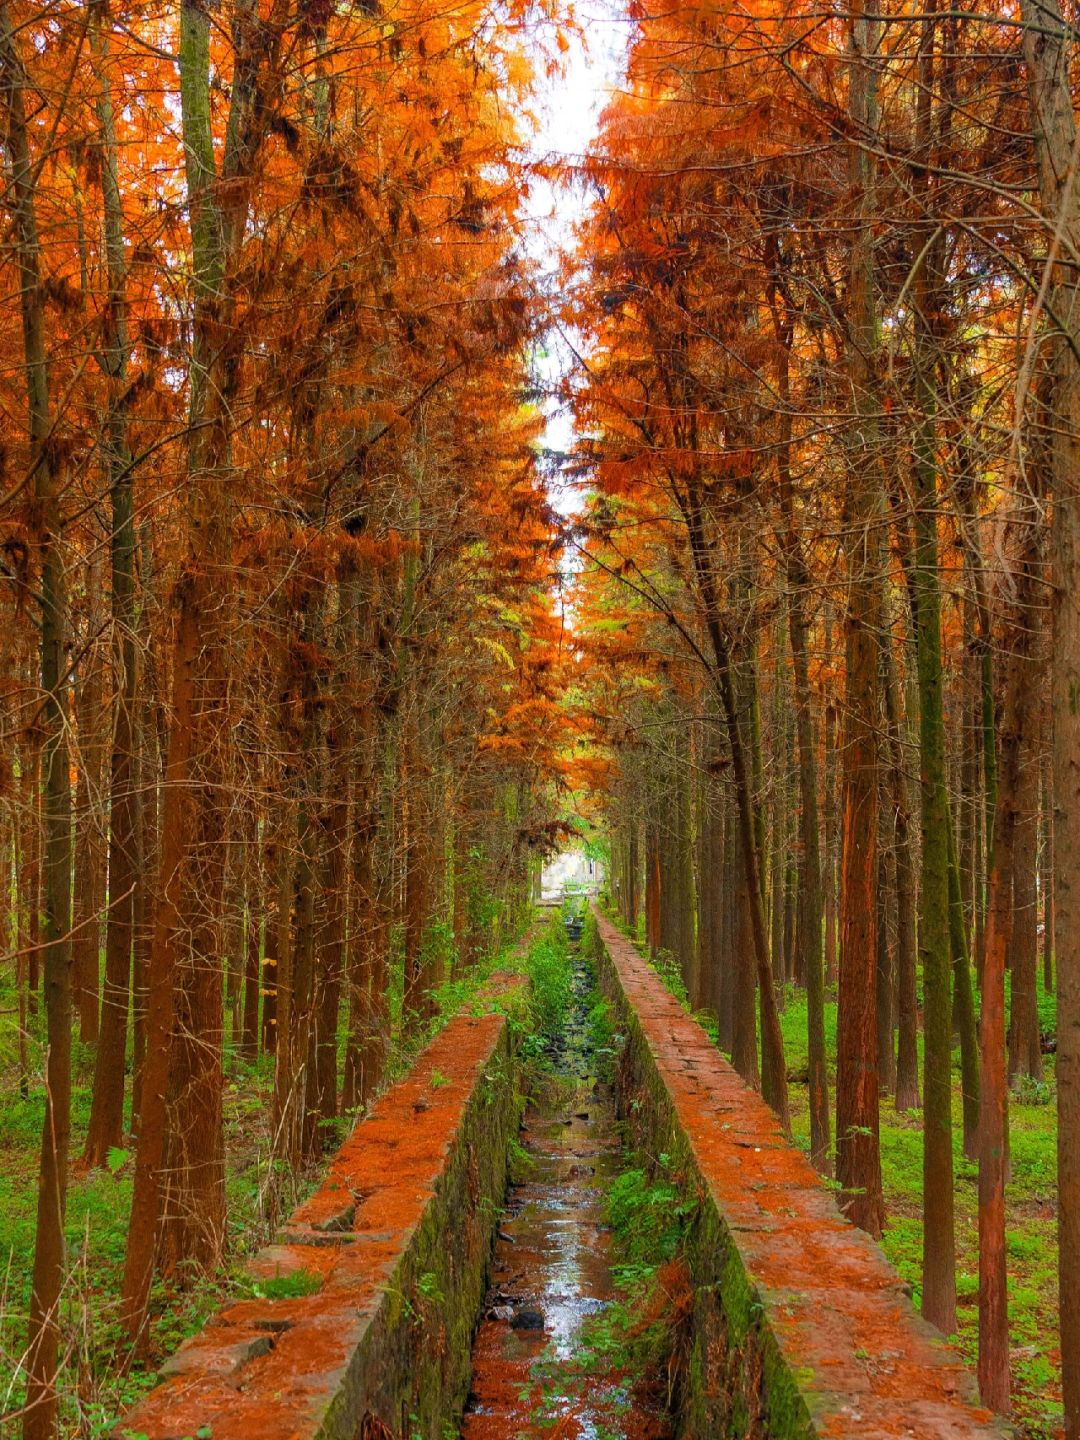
{"points": [[907, 1054], [1047, 52], [1017, 715], [1025, 1048], [89, 891], [106, 1126], [42, 1357], [192, 828], [858, 1158], [886, 1029], [774, 1069]]}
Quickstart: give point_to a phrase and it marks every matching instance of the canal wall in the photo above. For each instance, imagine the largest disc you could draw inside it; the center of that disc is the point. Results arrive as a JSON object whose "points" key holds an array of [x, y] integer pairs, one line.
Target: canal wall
{"points": [[799, 1327], [362, 1313]]}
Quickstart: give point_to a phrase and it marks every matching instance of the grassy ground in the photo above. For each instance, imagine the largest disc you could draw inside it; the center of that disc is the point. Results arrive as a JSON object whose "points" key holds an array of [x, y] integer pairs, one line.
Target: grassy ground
{"points": [[1031, 1204], [97, 1382]]}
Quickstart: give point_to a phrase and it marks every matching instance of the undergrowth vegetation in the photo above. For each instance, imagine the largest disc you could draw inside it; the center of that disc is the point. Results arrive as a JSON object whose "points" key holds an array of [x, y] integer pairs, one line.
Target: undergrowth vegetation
{"points": [[98, 1380], [642, 1334], [1031, 1240]]}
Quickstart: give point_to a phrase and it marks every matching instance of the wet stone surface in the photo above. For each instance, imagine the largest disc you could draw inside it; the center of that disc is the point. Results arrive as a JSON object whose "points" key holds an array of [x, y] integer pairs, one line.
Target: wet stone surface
{"points": [[552, 1268]]}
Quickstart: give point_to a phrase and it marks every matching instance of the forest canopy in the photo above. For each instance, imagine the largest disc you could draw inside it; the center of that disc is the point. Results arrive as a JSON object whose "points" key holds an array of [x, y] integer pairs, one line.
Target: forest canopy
{"points": [[306, 663]]}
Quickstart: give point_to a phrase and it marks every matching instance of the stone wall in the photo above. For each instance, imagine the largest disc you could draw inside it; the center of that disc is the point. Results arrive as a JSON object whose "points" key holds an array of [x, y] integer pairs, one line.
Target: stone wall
{"points": [[384, 1269], [800, 1327]]}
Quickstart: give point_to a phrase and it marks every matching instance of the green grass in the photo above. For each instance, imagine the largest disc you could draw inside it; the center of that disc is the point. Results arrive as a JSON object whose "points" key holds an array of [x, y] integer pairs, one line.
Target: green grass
{"points": [[1031, 1238], [1031, 1235], [99, 1204]]}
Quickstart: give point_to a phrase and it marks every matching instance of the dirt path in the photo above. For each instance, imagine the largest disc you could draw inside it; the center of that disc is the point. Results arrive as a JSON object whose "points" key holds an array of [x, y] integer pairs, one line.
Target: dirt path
{"points": [[553, 1267]]}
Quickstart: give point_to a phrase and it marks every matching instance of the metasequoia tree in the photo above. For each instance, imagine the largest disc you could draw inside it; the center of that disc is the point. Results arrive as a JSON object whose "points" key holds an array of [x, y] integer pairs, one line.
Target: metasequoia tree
{"points": [[273, 372], [802, 276], [1047, 58], [44, 478]]}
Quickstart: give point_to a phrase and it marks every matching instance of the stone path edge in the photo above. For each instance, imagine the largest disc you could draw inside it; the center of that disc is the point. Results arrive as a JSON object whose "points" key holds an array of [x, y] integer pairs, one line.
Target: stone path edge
{"points": [[800, 1326], [398, 1240]]}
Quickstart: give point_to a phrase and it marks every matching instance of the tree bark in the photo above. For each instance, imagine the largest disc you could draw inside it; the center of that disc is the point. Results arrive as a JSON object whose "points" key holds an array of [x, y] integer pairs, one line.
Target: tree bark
{"points": [[42, 1358], [1047, 52], [107, 1107], [858, 1158]]}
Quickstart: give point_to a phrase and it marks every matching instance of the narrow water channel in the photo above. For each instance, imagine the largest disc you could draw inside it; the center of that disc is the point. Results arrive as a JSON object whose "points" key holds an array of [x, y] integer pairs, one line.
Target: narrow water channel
{"points": [[552, 1266]]}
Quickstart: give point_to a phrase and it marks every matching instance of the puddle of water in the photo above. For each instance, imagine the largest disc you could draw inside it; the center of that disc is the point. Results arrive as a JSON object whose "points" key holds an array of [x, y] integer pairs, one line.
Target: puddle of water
{"points": [[552, 1270]]}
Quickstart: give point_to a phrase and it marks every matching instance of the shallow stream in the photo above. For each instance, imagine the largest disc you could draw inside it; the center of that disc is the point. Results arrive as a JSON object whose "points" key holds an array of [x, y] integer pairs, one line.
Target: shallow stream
{"points": [[552, 1268]]}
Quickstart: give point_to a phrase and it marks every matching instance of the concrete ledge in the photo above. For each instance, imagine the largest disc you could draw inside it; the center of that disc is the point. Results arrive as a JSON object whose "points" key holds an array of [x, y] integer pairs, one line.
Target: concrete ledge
{"points": [[801, 1327], [390, 1256]]}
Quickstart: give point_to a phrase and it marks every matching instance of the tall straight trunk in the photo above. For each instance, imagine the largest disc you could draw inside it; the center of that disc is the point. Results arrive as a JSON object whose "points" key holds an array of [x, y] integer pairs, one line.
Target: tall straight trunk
{"points": [[28, 871], [89, 855], [1048, 55], [963, 1005], [1046, 876], [42, 1358], [418, 861], [774, 1068], [939, 1237], [779, 828], [19, 925], [147, 790], [967, 817], [710, 880], [683, 868], [363, 1054], [886, 1028], [809, 964], [275, 859], [726, 941], [254, 914], [633, 865], [1024, 1045], [192, 823], [106, 1126], [233, 951], [294, 1053], [744, 1049], [367, 962], [1017, 716], [702, 949], [907, 1009], [652, 884], [831, 828], [331, 959], [858, 1158], [670, 931]]}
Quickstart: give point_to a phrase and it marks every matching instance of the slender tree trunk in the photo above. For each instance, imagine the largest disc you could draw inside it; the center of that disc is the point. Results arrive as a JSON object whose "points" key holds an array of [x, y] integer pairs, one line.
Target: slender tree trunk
{"points": [[939, 1239], [993, 1109], [963, 1006], [42, 1359], [1025, 1048], [107, 1108], [1047, 877], [192, 828], [886, 1029], [254, 914], [907, 1055], [831, 831], [89, 890], [652, 886], [809, 964], [858, 1159], [774, 1069], [1048, 53]]}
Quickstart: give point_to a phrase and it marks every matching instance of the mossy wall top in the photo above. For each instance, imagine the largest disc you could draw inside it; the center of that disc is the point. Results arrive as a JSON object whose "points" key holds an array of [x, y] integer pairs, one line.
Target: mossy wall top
{"points": [[800, 1326]]}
